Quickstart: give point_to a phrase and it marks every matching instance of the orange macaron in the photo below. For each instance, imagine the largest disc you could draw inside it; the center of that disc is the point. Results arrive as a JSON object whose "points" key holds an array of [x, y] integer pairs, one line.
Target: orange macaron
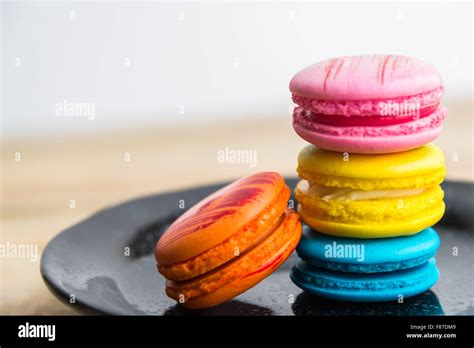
{"points": [[229, 241]]}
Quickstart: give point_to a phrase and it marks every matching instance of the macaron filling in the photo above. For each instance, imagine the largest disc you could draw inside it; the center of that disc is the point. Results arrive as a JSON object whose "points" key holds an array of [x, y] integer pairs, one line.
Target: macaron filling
{"points": [[367, 126], [345, 194], [407, 208], [421, 104], [425, 180]]}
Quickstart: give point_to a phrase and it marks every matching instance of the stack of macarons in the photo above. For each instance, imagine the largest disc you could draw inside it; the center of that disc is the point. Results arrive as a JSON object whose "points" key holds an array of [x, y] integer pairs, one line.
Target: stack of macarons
{"points": [[370, 190]]}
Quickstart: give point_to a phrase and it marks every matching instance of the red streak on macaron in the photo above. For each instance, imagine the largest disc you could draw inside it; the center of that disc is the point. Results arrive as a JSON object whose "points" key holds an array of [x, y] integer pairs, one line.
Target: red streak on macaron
{"points": [[194, 225], [260, 181], [265, 178], [328, 69], [340, 64], [272, 262], [238, 198], [395, 64], [215, 209], [382, 67]]}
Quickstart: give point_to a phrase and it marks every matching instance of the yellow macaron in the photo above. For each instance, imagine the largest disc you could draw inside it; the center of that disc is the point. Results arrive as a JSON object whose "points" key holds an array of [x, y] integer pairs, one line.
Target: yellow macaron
{"points": [[370, 196]]}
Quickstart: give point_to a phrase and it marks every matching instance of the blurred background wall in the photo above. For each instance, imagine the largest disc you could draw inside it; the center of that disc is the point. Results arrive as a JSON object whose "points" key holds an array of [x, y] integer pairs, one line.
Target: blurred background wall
{"points": [[141, 64]]}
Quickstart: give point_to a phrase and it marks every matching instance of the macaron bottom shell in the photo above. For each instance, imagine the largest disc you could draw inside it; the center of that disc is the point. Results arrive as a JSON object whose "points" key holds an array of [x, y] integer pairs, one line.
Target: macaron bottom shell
{"points": [[357, 287], [382, 230], [368, 145], [243, 272]]}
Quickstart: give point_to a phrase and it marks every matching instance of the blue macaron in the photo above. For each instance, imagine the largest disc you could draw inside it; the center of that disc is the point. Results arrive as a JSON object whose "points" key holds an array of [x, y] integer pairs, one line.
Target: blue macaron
{"points": [[367, 255], [365, 287]]}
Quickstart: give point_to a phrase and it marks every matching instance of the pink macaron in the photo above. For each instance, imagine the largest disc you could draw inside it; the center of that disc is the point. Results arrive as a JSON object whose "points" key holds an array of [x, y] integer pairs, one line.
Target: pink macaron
{"points": [[368, 104]]}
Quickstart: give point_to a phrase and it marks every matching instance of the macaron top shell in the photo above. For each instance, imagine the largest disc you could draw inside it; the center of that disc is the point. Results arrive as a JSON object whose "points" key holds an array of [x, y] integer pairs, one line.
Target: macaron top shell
{"points": [[217, 217], [426, 164], [365, 77], [375, 251]]}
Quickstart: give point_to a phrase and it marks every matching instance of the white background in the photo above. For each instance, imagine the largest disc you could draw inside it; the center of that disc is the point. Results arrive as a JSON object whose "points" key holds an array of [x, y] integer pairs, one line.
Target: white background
{"points": [[194, 63]]}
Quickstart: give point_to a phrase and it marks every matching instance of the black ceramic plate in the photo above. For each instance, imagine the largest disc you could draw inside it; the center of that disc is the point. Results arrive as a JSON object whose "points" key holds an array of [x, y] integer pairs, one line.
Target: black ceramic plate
{"points": [[88, 263]]}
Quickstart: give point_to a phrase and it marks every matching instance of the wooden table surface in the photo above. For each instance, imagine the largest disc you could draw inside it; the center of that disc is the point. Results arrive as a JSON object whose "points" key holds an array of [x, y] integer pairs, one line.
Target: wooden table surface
{"points": [[92, 170]]}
